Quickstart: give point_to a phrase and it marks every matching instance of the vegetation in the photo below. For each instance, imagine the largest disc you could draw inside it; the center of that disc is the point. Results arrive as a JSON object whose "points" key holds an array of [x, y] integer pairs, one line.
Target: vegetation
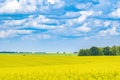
{"points": [[65, 66], [38, 67], [97, 51]]}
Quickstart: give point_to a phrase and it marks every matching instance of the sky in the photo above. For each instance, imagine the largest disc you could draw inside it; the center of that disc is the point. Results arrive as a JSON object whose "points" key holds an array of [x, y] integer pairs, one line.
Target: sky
{"points": [[58, 25]]}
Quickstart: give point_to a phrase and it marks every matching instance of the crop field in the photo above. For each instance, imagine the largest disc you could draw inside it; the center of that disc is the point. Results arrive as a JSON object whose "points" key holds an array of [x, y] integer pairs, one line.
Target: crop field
{"points": [[46, 67]]}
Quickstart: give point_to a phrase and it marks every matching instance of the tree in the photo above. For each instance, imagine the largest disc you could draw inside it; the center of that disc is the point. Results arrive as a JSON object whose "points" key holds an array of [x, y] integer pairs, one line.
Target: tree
{"points": [[57, 52], [94, 51], [82, 52], [101, 51], [88, 52], [64, 52], [118, 50], [114, 50], [106, 51]]}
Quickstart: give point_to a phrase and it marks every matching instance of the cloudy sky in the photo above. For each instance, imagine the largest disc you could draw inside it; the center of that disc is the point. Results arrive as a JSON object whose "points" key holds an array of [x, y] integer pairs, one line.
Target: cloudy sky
{"points": [[58, 25]]}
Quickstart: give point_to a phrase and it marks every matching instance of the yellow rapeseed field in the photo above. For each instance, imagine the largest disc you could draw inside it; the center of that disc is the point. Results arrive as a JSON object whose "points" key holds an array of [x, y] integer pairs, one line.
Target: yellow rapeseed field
{"points": [[39, 67]]}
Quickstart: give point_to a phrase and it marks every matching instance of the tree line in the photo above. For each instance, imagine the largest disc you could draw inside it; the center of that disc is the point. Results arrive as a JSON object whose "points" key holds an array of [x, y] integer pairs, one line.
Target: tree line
{"points": [[99, 51]]}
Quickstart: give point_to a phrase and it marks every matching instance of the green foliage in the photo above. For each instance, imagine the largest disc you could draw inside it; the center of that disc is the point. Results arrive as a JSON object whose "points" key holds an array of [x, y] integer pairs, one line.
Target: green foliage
{"points": [[106, 51], [95, 51], [114, 50], [118, 50], [82, 52], [88, 52]]}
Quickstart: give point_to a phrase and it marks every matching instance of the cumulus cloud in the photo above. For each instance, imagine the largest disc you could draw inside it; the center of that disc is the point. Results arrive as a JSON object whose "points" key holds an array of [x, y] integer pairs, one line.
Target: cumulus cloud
{"points": [[80, 19], [12, 23], [10, 7], [83, 6], [84, 15], [71, 15], [107, 23], [115, 14], [58, 18], [110, 31], [84, 28], [29, 6], [52, 1], [11, 33], [13, 6], [40, 22], [36, 36]]}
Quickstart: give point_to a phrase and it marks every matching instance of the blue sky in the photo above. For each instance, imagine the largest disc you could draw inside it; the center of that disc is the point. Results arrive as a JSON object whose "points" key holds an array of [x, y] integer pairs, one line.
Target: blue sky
{"points": [[58, 25]]}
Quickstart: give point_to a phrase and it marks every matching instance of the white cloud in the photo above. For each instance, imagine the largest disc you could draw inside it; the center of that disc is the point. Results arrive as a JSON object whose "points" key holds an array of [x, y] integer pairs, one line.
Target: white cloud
{"points": [[101, 23], [44, 36], [39, 22], [115, 13], [10, 7], [59, 4], [29, 6], [83, 5], [107, 23], [12, 23], [4, 34], [22, 31], [83, 28], [23, 6], [52, 1], [84, 15], [43, 19], [98, 23], [111, 31], [81, 19], [56, 3], [10, 33], [71, 14], [36, 37]]}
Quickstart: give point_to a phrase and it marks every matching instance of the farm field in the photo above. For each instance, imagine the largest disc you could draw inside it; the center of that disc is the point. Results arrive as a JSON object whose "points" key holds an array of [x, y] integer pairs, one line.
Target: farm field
{"points": [[54, 67]]}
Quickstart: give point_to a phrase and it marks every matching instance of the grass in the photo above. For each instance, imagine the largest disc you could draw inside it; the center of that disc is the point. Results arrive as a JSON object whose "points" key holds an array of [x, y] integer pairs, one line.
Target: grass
{"points": [[53, 67]]}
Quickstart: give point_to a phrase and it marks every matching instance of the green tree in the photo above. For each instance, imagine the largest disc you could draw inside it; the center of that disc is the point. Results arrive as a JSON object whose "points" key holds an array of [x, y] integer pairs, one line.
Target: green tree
{"points": [[94, 51], [118, 50], [64, 52], [82, 52], [114, 50], [106, 51], [88, 52], [57, 52], [101, 51]]}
